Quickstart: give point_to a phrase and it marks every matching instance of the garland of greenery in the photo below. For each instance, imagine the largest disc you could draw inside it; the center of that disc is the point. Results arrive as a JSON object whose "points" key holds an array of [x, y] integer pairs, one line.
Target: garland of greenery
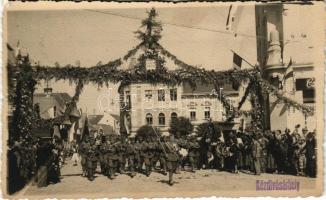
{"points": [[267, 87], [23, 99], [104, 73]]}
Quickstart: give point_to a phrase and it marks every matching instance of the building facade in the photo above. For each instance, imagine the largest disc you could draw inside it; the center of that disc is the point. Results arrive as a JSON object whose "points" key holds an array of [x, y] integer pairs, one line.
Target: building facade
{"points": [[157, 105], [285, 53]]}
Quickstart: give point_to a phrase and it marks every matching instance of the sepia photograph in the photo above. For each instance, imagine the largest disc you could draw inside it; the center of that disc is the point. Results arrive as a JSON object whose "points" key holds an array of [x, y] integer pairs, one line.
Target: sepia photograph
{"points": [[145, 100]]}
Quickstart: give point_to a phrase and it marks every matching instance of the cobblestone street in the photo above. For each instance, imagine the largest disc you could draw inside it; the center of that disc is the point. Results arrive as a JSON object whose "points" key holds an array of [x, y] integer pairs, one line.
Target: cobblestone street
{"points": [[204, 182]]}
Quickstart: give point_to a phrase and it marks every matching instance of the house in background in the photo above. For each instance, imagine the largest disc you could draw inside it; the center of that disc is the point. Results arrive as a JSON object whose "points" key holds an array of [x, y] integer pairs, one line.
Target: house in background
{"points": [[52, 105], [109, 123]]}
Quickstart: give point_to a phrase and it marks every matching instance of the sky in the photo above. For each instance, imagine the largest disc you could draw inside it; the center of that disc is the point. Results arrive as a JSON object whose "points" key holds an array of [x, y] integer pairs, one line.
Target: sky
{"points": [[90, 36]]}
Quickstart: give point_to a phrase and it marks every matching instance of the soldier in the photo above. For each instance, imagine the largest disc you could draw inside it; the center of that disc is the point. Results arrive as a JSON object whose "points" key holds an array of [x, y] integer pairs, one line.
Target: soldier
{"points": [[161, 153], [138, 161], [103, 150], [172, 158], [83, 153], [131, 155], [122, 155], [146, 156], [91, 159], [193, 148], [112, 157]]}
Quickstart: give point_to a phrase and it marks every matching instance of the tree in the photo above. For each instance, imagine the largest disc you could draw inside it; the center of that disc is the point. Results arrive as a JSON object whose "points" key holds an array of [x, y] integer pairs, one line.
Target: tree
{"points": [[153, 29], [181, 126], [147, 131], [209, 130], [149, 38]]}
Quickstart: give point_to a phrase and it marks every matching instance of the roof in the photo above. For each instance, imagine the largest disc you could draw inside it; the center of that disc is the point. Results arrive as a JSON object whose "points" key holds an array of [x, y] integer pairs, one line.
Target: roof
{"points": [[55, 99], [202, 88], [116, 117], [94, 119], [107, 129]]}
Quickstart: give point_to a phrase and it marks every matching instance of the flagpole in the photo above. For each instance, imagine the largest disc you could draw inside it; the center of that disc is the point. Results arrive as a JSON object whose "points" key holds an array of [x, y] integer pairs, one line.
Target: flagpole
{"points": [[159, 140], [245, 60]]}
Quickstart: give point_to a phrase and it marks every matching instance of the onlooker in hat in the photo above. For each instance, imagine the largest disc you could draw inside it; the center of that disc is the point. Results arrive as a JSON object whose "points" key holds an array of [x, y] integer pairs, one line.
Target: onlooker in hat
{"points": [[304, 132]]}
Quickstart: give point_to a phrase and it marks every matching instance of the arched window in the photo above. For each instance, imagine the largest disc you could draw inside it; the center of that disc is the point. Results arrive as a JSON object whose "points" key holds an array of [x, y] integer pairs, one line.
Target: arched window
{"points": [[174, 117], [149, 119], [161, 119]]}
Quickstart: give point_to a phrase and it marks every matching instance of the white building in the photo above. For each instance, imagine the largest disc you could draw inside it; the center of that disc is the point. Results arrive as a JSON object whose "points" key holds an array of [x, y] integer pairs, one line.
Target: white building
{"points": [[157, 105], [279, 40]]}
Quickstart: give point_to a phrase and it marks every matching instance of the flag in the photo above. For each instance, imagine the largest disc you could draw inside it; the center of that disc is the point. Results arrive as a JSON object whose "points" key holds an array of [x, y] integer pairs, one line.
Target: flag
{"points": [[233, 19], [11, 55], [237, 61], [17, 51], [288, 71]]}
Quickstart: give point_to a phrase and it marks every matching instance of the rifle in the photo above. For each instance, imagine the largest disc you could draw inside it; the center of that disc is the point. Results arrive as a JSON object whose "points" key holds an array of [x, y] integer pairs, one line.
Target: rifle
{"points": [[159, 141]]}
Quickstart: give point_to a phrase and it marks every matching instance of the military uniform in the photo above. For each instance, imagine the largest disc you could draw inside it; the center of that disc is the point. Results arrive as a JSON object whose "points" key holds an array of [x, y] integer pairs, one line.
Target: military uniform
{"points": [[193, 147], [122, 156], [103, 150], [138, 161], [145, 157], [172, 159], [131, 155], [113, 158], [91, 160], [85, 145]]}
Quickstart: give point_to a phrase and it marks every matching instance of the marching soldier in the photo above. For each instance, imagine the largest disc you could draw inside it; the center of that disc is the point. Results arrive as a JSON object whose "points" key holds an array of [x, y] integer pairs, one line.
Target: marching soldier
{"points": [[131, 154], [85, 145], [91, 159], [146, 156], [172, 158], [103, 150], [138, 161], [161, 155], [193, 148], [112, 157], [122, 155]]}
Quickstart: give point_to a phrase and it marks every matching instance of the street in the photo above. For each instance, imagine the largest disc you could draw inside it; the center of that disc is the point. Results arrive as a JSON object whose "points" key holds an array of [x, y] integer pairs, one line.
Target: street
{"points": [[202, 183]]}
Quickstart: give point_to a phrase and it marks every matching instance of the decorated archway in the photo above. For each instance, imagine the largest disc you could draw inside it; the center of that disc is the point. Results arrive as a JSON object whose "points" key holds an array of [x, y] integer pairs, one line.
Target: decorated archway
{"points": [[23, 77]]}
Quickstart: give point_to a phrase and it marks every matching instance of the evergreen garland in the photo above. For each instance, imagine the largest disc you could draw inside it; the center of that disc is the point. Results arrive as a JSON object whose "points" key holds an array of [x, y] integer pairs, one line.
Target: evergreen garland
{"points": [[102, 74], [23, 100]]}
